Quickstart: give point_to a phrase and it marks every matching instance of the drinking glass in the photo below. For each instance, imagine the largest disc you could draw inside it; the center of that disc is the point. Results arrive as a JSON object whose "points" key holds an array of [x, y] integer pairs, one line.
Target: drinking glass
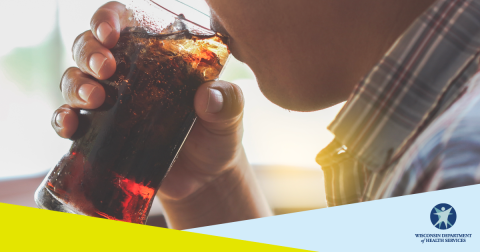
{"points": [[123, 150]]}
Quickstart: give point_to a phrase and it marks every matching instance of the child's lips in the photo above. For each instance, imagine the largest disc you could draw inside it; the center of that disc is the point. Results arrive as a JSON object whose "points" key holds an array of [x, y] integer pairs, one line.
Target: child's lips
{"points": [[216, 26]]}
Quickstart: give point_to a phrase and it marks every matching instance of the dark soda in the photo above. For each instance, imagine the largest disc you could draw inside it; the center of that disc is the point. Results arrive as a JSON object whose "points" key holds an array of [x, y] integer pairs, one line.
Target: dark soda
{"points": [[123, 150]]}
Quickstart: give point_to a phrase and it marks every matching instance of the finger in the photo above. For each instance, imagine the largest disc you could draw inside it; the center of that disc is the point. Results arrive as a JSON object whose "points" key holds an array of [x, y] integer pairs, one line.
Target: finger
{"points": [[107, 22], [65, 121], [219, 105], [80, 90], [92, 57]]}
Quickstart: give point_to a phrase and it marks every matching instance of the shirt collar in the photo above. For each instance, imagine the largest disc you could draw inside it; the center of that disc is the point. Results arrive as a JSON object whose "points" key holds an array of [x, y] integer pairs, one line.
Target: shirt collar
{"points": [[436, 53]]}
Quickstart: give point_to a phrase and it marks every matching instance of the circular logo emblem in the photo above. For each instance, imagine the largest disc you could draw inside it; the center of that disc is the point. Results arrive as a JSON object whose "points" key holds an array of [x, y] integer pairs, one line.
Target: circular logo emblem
{"points": [[443, 216]]}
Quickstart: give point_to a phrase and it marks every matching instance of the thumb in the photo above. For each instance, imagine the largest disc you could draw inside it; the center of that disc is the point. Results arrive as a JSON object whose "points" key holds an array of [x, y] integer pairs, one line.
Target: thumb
{"points": [[219, 106]]}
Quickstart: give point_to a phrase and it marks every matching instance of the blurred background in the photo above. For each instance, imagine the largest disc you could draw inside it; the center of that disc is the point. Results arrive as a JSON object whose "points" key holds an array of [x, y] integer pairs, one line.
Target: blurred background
{"points": [[281, 145]]}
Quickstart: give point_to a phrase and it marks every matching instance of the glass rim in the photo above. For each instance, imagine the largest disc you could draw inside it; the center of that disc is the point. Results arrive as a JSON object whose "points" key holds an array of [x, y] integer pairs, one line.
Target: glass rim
{"points": [[184, 18]]}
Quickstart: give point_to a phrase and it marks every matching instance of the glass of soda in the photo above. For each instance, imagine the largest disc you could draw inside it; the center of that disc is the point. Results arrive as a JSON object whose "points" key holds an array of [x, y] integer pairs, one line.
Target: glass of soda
{"points": [[122, 151]]}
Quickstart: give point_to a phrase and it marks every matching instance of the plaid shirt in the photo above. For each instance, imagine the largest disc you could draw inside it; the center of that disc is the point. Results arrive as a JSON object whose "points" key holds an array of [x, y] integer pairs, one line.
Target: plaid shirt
{"points": [[411, 125]]}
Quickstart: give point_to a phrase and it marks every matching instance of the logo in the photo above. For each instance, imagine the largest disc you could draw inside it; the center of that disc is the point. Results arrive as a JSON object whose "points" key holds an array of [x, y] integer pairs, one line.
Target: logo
{"points": [[443, 216]]}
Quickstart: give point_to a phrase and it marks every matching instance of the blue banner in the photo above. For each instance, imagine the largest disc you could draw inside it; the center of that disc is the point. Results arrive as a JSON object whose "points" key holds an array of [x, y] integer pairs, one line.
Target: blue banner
{"points": [[443, 220]]}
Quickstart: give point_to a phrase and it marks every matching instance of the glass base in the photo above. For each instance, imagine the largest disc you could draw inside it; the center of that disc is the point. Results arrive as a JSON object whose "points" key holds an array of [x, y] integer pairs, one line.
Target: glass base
{"points": [[45, 199]]}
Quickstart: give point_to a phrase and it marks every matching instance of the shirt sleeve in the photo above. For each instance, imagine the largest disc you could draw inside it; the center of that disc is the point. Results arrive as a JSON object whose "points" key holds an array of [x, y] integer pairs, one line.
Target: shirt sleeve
{"points": [[447, 154], [460, 160]]}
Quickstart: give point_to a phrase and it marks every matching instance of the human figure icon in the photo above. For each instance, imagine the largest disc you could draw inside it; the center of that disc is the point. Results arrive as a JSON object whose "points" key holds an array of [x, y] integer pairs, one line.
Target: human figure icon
{"points": [[443, 217]]}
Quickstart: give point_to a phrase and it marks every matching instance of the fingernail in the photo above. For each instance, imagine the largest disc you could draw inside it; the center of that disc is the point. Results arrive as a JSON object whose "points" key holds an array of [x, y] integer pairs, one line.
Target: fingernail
{"points": [[85, 91], [59, 119], [96, 62], [215, 101], [103, 30]]}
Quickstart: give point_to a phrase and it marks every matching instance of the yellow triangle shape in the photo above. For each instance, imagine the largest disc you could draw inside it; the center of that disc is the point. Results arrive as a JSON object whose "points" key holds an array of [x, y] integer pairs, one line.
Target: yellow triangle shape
{"points": [[31, 229]]}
